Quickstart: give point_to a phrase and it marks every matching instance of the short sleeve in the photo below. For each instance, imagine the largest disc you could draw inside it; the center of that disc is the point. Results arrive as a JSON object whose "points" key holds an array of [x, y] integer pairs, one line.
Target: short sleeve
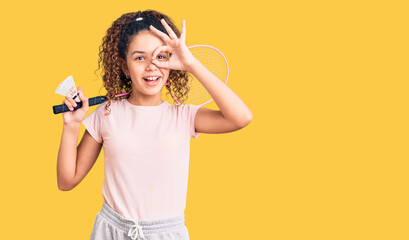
{"points": [[192, 110], [93, 124]]}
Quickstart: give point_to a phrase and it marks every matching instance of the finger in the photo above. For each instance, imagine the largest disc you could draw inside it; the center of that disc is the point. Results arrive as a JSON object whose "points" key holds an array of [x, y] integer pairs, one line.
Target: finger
{"points": [[183, 34], [160, 34], [73, 103], [168, 29], [160, 64], [162, 49], [69, 105], [83, 98]]}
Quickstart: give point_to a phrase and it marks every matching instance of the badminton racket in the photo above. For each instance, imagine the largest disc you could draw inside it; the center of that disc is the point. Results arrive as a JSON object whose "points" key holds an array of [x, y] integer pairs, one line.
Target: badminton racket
{"points": [[212, 58]]}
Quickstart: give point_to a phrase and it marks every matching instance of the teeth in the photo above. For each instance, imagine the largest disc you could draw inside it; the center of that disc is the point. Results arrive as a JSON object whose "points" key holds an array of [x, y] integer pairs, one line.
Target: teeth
{"points": [[152, 78]]}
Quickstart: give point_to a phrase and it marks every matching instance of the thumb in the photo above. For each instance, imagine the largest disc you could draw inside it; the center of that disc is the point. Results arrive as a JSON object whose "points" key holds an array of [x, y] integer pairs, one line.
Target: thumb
{"points": [[160, 64], [83, 98]]}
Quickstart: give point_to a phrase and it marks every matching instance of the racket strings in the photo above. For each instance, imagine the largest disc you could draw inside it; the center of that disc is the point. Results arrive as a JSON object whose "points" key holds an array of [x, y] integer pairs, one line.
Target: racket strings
{"points": [[215, 63]]}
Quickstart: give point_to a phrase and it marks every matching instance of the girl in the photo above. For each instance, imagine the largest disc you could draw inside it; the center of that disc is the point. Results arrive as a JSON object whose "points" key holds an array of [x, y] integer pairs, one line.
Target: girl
{"points": [[146, 140]]}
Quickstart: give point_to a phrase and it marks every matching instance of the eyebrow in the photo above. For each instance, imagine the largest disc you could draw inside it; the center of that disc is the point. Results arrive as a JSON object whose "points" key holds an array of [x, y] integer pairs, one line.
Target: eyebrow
{"points": [[137, 52]]}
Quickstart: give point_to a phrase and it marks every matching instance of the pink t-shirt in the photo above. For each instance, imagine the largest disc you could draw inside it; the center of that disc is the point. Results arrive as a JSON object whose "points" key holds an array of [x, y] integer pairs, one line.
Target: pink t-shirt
{"points": [[146, 152]]}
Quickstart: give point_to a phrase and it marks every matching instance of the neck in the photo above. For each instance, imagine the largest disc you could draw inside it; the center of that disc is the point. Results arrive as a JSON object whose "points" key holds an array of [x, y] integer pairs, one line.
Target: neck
{"points": [[145, 101]]}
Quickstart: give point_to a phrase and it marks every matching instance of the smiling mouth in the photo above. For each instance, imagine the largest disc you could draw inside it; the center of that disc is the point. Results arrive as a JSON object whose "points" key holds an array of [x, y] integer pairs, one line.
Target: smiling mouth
{"points": [[152, 81], [151, 78]]}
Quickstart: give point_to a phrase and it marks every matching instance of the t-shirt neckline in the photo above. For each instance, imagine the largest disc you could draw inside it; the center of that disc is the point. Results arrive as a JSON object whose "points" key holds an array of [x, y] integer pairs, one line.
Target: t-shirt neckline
{"points": [[144, 107]]}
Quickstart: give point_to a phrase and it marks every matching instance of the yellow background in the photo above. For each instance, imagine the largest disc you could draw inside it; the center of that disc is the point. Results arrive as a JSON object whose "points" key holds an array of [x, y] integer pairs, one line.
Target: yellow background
{"points": [[325, 156]]}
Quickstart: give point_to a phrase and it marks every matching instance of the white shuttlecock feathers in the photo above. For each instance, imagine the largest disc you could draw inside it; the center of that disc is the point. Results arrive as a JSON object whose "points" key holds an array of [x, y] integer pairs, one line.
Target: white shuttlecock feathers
{"points": [[67, 88]]}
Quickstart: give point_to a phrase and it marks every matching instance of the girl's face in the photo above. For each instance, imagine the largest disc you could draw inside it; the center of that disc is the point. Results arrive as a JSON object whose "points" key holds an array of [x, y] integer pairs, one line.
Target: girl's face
{"points": [[147, 78]]}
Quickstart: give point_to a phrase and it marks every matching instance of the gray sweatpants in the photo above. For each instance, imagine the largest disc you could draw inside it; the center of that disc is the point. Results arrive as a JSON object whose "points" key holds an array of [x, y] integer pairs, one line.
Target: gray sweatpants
{"points": [[110, 225]]}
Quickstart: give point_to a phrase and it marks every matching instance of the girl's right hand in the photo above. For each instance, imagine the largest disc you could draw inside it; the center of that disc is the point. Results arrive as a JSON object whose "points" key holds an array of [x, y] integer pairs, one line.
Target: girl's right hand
{"points": [[78, 115]]}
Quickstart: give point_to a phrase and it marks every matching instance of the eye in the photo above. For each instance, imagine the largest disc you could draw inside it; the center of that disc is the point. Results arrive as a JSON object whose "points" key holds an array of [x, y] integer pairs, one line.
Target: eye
{"points": [[139, 58], [162, 57]]}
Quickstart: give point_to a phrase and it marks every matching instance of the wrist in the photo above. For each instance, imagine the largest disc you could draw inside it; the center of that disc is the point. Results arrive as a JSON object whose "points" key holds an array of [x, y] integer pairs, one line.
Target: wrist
{"points": [[72, 125], [193, 65]]}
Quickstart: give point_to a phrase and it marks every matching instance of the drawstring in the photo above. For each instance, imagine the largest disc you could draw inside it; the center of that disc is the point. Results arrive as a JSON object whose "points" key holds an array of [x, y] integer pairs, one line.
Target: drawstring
{"points": [[134, 232]]}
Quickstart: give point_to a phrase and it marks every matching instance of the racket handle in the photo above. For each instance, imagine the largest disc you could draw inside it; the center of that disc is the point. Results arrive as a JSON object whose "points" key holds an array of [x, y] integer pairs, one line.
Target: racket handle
{"points": [[91, 102]]}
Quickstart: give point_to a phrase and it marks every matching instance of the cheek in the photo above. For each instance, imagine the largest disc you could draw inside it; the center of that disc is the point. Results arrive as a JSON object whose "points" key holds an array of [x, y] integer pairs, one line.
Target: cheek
{"points": [[165, 74], [136, 68]]}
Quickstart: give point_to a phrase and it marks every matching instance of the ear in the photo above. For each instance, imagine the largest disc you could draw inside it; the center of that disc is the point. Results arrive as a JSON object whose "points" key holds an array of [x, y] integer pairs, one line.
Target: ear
{"points": [[124, 67]]}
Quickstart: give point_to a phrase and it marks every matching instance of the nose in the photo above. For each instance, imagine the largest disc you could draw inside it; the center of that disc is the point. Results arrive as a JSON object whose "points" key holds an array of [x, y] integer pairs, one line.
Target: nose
{"points": [[150, 66]]}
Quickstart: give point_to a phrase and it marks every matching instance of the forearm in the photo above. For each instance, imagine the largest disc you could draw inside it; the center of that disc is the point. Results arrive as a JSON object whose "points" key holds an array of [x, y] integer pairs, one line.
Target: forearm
{"points": [[229, 103], [67, 156]]}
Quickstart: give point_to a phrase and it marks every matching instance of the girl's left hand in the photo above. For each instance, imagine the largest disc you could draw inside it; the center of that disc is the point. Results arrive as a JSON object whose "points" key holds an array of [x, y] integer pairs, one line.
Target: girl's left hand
{"points": [[180, 56]]}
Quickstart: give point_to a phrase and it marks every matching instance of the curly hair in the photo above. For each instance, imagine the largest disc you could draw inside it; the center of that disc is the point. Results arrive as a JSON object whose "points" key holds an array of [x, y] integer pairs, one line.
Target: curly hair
{"points": [[115, 46]]}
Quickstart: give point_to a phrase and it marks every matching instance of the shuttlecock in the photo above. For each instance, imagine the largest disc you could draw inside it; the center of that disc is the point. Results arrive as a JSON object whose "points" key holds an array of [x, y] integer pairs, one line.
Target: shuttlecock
{"points": [[67, 88]]}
